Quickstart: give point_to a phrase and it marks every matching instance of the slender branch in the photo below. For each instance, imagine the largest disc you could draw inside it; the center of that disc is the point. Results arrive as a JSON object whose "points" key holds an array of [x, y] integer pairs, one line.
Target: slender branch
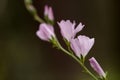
{"points": [[31, 9], [37, 18]]}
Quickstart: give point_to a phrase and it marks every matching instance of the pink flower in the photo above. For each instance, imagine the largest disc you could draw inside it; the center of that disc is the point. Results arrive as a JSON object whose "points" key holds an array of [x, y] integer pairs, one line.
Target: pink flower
{"points": [[49, 13], [94, 64], [68, 29], [81, 45], [45, 32]]}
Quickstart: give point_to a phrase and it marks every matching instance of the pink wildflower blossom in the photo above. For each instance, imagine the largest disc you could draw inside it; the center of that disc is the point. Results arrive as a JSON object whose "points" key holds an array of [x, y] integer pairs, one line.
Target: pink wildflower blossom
{"points": [[45, 32], [68, 29], [81, 45]]}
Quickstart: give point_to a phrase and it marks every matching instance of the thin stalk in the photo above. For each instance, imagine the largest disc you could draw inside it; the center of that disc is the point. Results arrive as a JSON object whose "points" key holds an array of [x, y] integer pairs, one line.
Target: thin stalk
{"points": [[37, 18], [32, 10]]}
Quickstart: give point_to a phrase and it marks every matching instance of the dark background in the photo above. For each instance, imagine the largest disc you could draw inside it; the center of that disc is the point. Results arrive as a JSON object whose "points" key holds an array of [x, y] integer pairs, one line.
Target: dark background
{"points": [[23, 56]]}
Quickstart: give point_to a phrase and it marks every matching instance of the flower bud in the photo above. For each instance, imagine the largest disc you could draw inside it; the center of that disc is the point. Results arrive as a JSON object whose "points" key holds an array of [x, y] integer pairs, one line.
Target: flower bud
{"points": [[31, 9], [28, 1], [48, 12], [94, 64]]}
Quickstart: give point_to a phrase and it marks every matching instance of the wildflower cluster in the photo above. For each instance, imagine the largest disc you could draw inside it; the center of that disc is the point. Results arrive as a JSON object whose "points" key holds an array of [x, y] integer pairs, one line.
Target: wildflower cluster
{"points": [[78, 47]]}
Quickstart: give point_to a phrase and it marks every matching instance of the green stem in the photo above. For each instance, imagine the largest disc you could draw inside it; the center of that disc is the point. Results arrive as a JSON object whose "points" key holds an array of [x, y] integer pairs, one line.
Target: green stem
{"points": [[37, 18], [31, 9], [74, 57]]}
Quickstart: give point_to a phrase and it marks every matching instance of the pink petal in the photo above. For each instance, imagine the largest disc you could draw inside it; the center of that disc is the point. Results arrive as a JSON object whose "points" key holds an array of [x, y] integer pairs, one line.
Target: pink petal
{"points": [[46, 10], [41, 35], [50, 14], [79, 28], [75, 46]]}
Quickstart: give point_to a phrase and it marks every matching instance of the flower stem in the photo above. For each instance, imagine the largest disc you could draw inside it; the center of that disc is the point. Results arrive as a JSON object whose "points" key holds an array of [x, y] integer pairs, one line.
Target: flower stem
{"points": [[74, 57], [31, 9], [37, 18]]}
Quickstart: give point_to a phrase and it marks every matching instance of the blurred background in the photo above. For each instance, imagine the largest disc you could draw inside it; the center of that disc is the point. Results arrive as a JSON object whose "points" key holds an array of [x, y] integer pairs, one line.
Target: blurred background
{"points": [[23, 56]]}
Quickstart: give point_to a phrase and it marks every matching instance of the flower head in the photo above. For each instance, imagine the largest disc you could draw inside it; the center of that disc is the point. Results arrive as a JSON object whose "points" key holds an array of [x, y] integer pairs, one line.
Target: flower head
{"points": [[45, 32], [81, 45], [94, 64], [48, 12], [68, 29]]}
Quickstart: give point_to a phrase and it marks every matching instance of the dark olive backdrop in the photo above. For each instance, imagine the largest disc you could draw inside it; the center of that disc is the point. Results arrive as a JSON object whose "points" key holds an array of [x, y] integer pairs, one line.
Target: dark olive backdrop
{"points": [[23, 56]]}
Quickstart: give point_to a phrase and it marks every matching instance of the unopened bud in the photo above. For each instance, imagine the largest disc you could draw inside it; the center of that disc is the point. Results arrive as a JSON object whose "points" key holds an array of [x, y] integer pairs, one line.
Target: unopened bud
{"points": [[31, 9], [28, 1]]}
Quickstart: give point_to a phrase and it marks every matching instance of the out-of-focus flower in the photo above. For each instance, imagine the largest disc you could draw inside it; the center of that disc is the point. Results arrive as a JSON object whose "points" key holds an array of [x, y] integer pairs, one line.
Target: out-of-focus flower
{"points": [[48, 12], [45, 32], [68, 29], [81, 45], [94, 64]]}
